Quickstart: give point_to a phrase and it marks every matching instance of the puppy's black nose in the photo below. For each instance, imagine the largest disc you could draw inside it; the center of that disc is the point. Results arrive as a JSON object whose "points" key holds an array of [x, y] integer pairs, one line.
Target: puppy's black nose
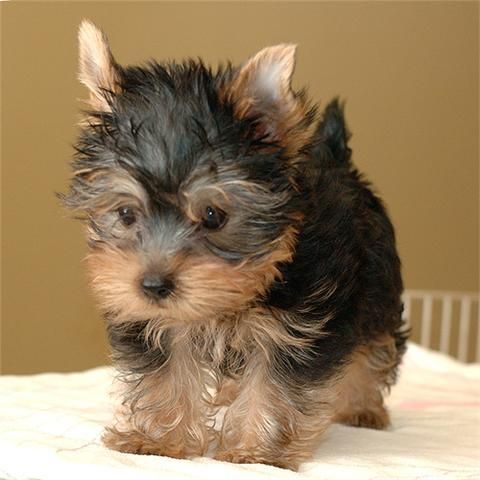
{"points": [[157, 287]]}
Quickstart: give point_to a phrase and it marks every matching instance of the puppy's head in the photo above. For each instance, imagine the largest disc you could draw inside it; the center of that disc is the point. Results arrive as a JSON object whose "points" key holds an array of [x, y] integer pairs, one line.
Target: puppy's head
{"points": [[188, 181]]}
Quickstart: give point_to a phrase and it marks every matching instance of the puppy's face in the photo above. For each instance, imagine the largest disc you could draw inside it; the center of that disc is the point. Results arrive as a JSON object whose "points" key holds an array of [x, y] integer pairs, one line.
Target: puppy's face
{"points": [[188, 181]]}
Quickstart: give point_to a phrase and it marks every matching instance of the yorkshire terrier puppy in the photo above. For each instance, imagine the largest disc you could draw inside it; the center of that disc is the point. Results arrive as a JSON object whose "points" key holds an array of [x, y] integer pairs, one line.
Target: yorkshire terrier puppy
{"points": [[239, 257]]}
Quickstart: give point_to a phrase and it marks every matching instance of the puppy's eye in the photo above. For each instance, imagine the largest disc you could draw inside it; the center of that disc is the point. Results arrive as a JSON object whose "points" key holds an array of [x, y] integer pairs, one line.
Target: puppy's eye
{"points": [[127, 215], [214, 218]]}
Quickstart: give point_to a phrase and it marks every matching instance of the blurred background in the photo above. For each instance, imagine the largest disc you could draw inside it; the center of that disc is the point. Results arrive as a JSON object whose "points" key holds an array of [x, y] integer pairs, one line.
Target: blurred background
{"points": [[409, 75]]}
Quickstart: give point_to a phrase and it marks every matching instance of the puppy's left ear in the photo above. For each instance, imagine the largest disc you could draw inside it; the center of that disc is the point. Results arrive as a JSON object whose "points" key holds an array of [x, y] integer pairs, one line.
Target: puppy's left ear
{"points": [[98, 70], [262, 89]]}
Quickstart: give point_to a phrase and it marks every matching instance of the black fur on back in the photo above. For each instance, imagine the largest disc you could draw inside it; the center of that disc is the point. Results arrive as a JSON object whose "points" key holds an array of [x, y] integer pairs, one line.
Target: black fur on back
{"points": [[170, 122], [346, 261]]}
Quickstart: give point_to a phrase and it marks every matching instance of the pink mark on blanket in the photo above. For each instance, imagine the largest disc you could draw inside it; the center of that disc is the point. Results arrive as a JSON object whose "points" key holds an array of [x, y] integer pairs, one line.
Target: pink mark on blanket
{"points": [[419, 404]]}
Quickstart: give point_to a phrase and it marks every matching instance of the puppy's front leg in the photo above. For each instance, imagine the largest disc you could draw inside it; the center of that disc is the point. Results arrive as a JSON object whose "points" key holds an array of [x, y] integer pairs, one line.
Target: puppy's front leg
{"points": [[163, 411], [273, 420]]}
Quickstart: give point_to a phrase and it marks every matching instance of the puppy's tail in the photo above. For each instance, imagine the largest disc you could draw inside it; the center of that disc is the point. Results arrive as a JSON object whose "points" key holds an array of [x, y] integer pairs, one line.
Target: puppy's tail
{"points": [[332, 135]]}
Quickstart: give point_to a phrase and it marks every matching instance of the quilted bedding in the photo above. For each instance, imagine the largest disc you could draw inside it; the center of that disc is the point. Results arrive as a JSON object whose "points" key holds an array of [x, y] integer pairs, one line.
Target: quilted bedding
{"points": [[50, 428]]}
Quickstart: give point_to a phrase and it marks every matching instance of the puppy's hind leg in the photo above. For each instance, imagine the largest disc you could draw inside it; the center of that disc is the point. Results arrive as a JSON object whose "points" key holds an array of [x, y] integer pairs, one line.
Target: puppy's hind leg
{"points": [[369, 374]]}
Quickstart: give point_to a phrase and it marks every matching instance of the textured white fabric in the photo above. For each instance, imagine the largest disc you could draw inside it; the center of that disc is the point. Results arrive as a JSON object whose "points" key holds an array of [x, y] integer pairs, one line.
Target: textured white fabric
{"points": [[50, 425]]}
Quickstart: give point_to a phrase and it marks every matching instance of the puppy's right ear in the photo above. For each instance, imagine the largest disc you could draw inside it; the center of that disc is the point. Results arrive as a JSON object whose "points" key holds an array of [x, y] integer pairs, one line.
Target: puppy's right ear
{"points": [[98, 70]]}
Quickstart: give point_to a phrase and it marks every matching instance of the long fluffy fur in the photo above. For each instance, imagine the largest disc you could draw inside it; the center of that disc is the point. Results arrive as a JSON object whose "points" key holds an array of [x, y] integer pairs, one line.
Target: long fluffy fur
{"points": [[291, 312]]}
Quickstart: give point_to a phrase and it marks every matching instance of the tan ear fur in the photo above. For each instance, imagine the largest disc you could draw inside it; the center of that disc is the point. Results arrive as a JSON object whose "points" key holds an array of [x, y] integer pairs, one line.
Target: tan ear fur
{"points": [[98, 70], [262, 88], [265, 79]]}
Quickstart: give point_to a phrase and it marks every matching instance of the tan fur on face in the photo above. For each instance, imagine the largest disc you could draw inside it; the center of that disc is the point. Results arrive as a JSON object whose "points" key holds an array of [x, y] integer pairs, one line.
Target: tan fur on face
{"points": [[206, 286], [115, 276]]}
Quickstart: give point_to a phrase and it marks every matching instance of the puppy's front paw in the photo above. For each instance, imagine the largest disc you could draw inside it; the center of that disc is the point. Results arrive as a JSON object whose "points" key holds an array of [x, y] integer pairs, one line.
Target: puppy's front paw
{"points": [[247, 456], [136, 442]]}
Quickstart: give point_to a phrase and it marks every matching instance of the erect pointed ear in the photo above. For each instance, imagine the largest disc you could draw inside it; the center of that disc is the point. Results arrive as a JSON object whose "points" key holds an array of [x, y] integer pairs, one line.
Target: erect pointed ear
{"points": [[332, 131], [262, 89], [98, 70]]}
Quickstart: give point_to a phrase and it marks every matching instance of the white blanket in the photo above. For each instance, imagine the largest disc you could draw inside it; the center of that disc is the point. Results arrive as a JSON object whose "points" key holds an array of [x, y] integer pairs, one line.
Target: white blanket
{"points": [[50, 426]]}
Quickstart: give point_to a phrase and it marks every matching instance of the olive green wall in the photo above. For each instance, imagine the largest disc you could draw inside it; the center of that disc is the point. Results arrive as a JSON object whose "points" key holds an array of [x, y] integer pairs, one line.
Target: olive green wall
{"points": [[409, 73]]}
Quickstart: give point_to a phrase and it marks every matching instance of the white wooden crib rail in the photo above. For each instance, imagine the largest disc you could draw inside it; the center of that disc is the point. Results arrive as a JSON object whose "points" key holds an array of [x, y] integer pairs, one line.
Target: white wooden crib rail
{"points": [[445, 321]]}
